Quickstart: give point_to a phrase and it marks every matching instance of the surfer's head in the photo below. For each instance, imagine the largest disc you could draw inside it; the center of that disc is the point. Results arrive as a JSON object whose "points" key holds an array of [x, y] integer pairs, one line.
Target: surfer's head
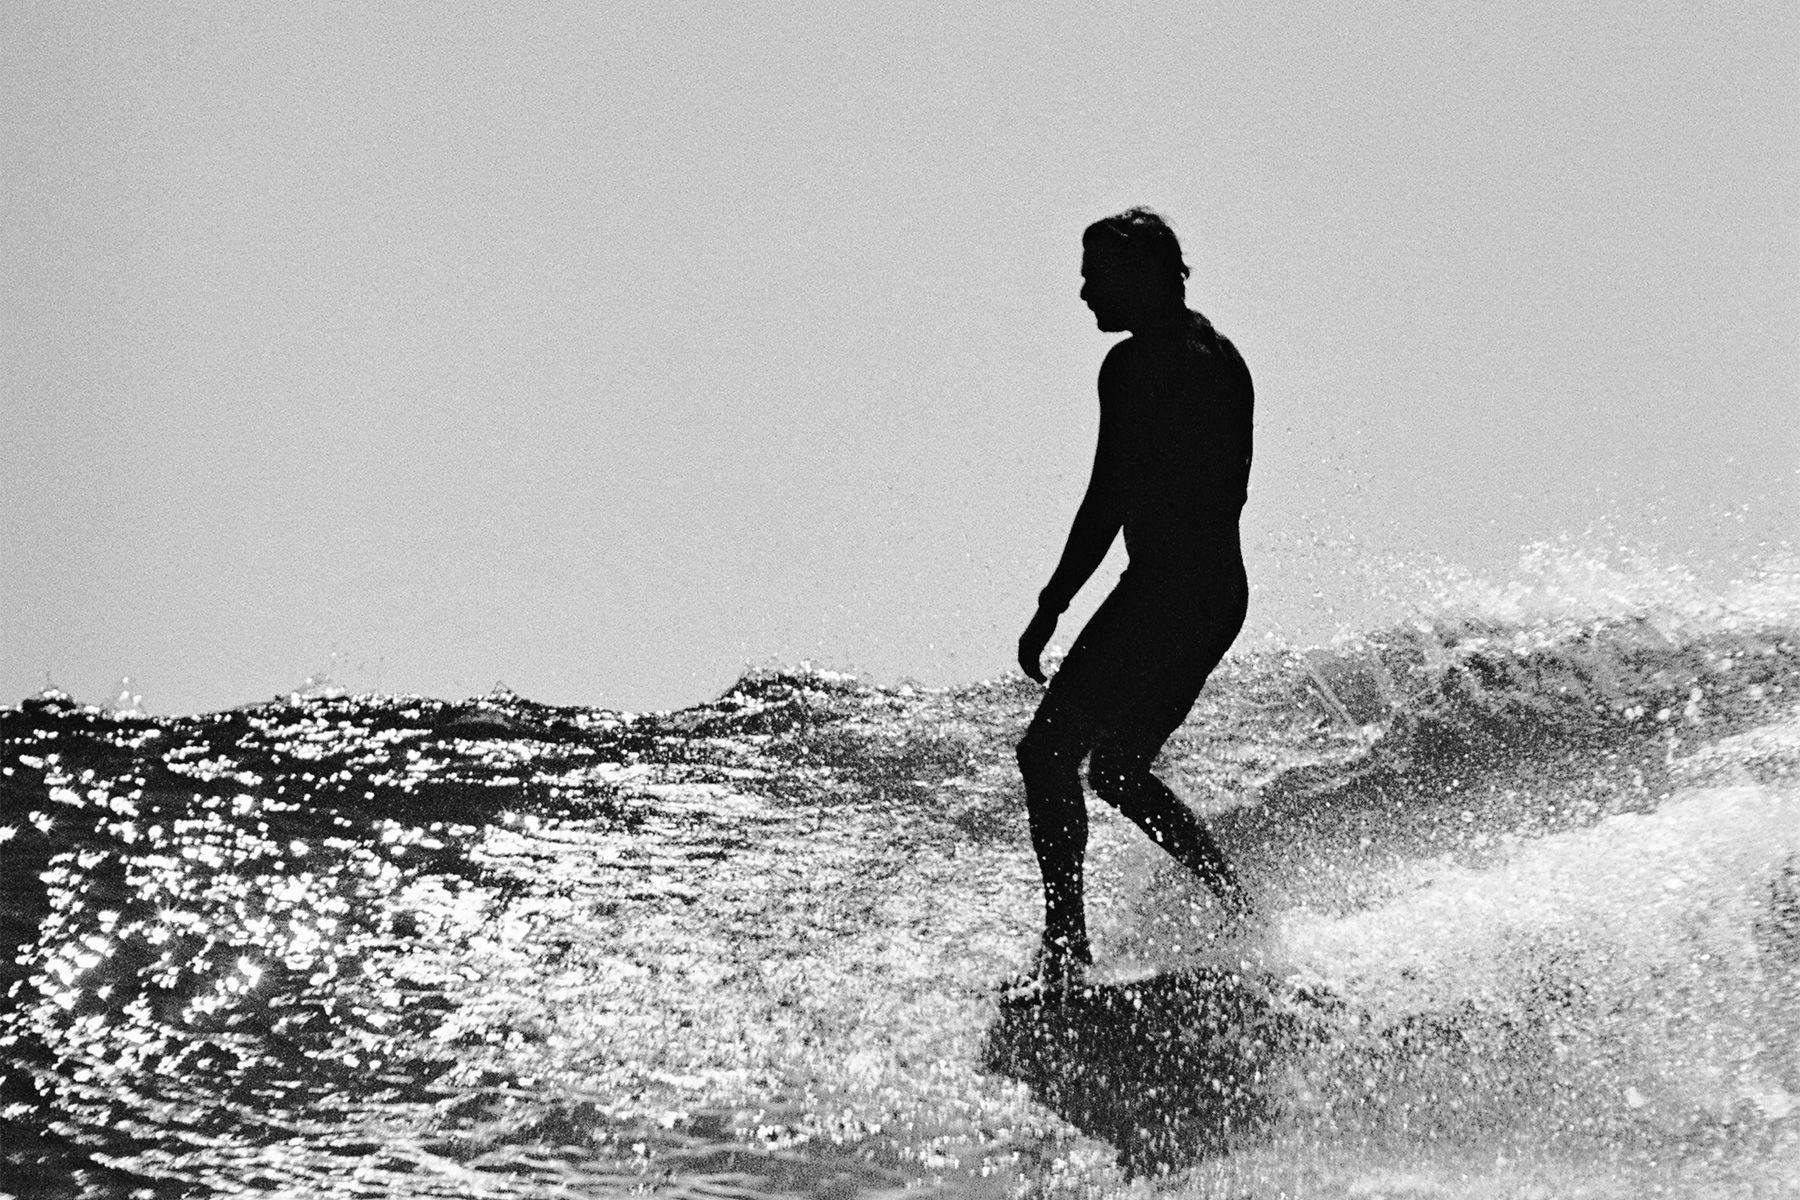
{"points": [[1131, 270]]}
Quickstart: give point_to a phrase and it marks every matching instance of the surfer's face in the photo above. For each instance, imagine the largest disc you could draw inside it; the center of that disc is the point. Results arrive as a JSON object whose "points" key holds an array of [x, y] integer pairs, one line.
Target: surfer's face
{"points": [[1117, 291], [1100, 290]]}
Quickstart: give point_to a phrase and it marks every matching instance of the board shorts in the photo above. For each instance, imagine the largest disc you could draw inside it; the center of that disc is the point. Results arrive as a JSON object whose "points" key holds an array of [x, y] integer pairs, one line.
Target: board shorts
{"points": [[1140, 662]]}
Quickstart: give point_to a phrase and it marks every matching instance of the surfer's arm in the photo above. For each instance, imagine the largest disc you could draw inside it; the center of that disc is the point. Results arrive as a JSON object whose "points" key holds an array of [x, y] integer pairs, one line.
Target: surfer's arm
{"points": [[1097, 522]]}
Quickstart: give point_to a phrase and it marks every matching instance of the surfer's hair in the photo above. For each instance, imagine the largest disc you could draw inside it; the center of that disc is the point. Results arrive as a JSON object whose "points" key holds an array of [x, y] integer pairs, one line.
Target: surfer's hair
{"points": [[1142, 238]]}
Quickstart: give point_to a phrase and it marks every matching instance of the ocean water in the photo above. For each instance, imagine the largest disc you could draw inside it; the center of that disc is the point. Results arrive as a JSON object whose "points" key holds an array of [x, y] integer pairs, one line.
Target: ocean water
{"points": [[1530, 855]]}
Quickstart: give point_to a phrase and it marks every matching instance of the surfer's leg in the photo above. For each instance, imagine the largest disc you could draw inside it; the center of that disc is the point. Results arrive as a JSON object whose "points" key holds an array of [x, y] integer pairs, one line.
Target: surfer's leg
{"points": [[1160, 701], [1120, 775], [1050, 756]]}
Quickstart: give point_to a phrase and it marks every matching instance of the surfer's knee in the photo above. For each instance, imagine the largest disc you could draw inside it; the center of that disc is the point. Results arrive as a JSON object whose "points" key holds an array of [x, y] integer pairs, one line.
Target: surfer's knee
{"points": [[1117, 775], [1043, 755], [1035, 753]]}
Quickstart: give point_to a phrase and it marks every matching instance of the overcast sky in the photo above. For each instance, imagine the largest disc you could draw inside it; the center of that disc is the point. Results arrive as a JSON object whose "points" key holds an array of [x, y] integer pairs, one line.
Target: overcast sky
{"points": [[604, 349]]}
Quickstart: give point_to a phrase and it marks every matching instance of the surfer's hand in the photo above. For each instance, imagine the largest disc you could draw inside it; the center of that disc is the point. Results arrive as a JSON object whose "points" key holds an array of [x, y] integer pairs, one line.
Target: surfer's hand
{"points": [[1032, 643]]}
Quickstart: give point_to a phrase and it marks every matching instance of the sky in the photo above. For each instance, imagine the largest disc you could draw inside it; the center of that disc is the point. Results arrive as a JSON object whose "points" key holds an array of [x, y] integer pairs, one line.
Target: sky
{"points": [[606, 350]]}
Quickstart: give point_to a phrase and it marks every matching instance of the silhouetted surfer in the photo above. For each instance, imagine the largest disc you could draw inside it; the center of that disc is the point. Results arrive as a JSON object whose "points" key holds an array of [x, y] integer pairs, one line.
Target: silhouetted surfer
{"points": [[1171, 469]]}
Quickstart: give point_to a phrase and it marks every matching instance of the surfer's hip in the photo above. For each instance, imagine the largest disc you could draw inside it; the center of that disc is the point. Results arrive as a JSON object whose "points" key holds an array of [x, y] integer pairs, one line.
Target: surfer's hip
{"points": [[1198, 593]]}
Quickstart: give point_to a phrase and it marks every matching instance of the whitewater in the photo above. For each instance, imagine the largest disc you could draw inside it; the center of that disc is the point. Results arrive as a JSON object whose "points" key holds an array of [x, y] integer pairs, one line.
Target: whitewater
{"points": [[1529, 853]]}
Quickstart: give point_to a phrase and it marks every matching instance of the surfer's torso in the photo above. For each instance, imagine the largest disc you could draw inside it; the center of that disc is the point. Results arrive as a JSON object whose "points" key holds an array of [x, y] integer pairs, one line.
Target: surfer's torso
{"points": [[1174, 452]]}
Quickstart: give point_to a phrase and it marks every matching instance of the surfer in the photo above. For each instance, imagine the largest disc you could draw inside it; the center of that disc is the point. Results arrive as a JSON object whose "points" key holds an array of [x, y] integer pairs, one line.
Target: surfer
{"points": [[1171, 470]]}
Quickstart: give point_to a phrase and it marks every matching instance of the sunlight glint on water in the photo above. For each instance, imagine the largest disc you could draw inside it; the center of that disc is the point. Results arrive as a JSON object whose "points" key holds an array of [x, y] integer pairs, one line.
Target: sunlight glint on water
{"points": [[1531, 853]]}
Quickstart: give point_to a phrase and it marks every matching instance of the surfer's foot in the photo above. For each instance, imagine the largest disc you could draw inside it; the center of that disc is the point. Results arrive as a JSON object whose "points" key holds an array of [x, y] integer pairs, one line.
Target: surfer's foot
{"points": [[1235, 899], [1058, 970], [1240, 915]]}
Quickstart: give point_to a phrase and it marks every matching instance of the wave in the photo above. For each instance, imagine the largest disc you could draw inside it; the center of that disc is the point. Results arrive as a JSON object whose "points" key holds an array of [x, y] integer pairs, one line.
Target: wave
{"points": [[1530, 854]]}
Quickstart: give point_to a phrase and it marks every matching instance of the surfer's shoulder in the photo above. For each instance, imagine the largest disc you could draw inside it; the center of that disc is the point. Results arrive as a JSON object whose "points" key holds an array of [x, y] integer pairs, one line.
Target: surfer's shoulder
{"points": [[1221, 348], [1118, 366], [1227, 348], [1121, 354]]}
